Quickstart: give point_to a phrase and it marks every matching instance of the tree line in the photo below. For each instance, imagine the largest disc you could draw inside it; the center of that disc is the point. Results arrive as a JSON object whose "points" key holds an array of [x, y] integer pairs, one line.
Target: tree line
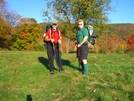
{"points": [[17, 33]]}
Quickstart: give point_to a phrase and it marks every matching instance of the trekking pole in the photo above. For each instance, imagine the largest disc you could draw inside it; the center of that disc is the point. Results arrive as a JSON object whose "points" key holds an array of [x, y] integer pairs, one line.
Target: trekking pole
{"points": [[79, 62]]}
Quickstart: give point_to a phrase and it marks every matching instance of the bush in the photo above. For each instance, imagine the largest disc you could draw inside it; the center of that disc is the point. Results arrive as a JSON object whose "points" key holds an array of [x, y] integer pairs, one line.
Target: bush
{"points": [[39, 48], [119, 51], [103, 50], [131, 53]]}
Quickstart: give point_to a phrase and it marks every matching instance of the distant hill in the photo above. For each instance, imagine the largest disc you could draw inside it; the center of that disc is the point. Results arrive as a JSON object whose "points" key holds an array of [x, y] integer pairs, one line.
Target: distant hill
{"points": [[121, 29]]}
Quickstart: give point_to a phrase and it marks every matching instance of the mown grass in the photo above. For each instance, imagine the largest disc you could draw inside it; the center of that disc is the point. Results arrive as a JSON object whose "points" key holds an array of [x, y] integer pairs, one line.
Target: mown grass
{"points": [[24, 74]]}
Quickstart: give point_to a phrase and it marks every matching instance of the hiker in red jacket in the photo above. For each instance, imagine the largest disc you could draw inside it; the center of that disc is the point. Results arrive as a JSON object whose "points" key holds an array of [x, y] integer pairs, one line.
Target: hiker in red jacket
{"points": [[54, 36]]}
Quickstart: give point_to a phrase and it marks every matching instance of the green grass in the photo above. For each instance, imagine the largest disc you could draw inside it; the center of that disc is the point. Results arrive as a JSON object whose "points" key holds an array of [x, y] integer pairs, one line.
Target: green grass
{"points": [[22, 74]]}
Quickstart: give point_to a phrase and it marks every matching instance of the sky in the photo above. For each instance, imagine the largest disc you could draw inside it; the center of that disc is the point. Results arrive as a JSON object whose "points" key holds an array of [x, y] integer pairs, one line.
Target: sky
{"points": [[123, 10]]}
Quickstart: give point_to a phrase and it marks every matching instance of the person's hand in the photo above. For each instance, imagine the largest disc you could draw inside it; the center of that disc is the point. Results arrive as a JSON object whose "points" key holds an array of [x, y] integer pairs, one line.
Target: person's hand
{"points": [[59, 41], [78, 45], [52, 40]]}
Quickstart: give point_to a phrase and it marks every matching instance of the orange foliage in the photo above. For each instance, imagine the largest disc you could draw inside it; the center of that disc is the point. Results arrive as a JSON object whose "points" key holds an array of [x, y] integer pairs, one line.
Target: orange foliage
{"points": [[111, 48], [5, 33], [67, 45], [130, 42], [114, 36], [110, 42]]}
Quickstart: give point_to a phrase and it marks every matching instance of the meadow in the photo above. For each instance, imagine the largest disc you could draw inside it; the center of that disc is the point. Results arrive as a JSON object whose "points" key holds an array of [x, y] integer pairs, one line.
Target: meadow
{"points": [[24, 76]]}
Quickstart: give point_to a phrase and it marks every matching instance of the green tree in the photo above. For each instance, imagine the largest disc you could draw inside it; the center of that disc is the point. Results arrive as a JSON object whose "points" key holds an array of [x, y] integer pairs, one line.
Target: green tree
{"points": [[91, 11]]}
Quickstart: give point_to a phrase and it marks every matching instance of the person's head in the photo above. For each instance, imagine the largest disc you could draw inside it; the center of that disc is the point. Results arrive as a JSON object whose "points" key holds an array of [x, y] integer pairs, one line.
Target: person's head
{"points": [[54, 25], [80, 23]]}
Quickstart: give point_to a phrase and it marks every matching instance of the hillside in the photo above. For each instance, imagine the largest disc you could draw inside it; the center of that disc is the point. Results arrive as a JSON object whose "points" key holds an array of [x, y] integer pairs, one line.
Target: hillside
{"points": [[121, 29]]}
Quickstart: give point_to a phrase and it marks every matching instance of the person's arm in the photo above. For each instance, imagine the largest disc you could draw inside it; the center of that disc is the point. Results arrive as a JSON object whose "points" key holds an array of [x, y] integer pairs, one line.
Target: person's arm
{"points": [[47, 37], [83, 41]]}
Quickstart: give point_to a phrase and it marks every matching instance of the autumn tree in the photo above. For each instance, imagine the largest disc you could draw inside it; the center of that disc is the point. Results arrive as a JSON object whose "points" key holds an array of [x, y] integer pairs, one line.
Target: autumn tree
{"points": [[109, 43], [28, 35], [130, 42], [5, 33], [2, 8], [5, 27], [7, 22]]}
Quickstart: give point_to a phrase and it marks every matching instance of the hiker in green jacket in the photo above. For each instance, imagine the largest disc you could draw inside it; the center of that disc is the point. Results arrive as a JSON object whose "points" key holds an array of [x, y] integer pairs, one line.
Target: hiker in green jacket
{"points": [[82, 48]]}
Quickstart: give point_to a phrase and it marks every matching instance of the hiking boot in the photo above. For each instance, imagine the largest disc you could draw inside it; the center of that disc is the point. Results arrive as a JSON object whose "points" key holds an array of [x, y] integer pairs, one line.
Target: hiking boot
{"points": [[52, 72], [61, 70]]}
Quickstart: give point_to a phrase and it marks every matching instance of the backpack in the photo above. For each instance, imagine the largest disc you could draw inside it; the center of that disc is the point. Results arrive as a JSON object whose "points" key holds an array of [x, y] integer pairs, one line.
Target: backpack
{"points": [[92, 34], [48, 26]]}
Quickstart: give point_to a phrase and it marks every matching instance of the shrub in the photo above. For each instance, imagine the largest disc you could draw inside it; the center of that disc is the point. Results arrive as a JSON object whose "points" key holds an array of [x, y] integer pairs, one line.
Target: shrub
{"points": [[119, 51], [39, 48]]}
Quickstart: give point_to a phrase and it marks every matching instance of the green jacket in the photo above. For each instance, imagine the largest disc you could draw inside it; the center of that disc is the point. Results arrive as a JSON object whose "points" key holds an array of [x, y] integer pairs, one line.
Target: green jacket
{"points": [[81, 33]]}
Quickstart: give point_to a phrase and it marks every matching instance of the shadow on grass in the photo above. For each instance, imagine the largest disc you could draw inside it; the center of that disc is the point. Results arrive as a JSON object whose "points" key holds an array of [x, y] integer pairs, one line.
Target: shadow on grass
{"points": [[44, 61], [68, 63]]}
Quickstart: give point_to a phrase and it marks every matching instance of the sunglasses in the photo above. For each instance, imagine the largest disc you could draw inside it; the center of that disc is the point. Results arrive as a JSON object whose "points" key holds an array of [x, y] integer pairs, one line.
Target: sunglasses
{"points": [[79, 24]]}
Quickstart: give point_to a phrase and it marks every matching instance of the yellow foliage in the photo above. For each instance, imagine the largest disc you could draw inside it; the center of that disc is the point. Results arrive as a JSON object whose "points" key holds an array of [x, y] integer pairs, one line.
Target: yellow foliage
{"points": [[121, 46]]}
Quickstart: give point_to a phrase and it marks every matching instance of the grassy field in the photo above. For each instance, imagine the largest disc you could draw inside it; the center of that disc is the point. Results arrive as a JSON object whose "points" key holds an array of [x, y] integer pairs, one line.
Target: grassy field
{"points": [[24, 76]]}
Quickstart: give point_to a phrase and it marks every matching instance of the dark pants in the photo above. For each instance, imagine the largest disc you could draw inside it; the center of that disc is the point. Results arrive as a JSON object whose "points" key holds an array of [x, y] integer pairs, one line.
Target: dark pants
{"points": [[54, 53], [82, 52]]}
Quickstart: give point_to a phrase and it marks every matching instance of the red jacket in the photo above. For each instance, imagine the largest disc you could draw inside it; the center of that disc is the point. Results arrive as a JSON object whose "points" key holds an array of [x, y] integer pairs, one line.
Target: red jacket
{"points": [[56, 35]]}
